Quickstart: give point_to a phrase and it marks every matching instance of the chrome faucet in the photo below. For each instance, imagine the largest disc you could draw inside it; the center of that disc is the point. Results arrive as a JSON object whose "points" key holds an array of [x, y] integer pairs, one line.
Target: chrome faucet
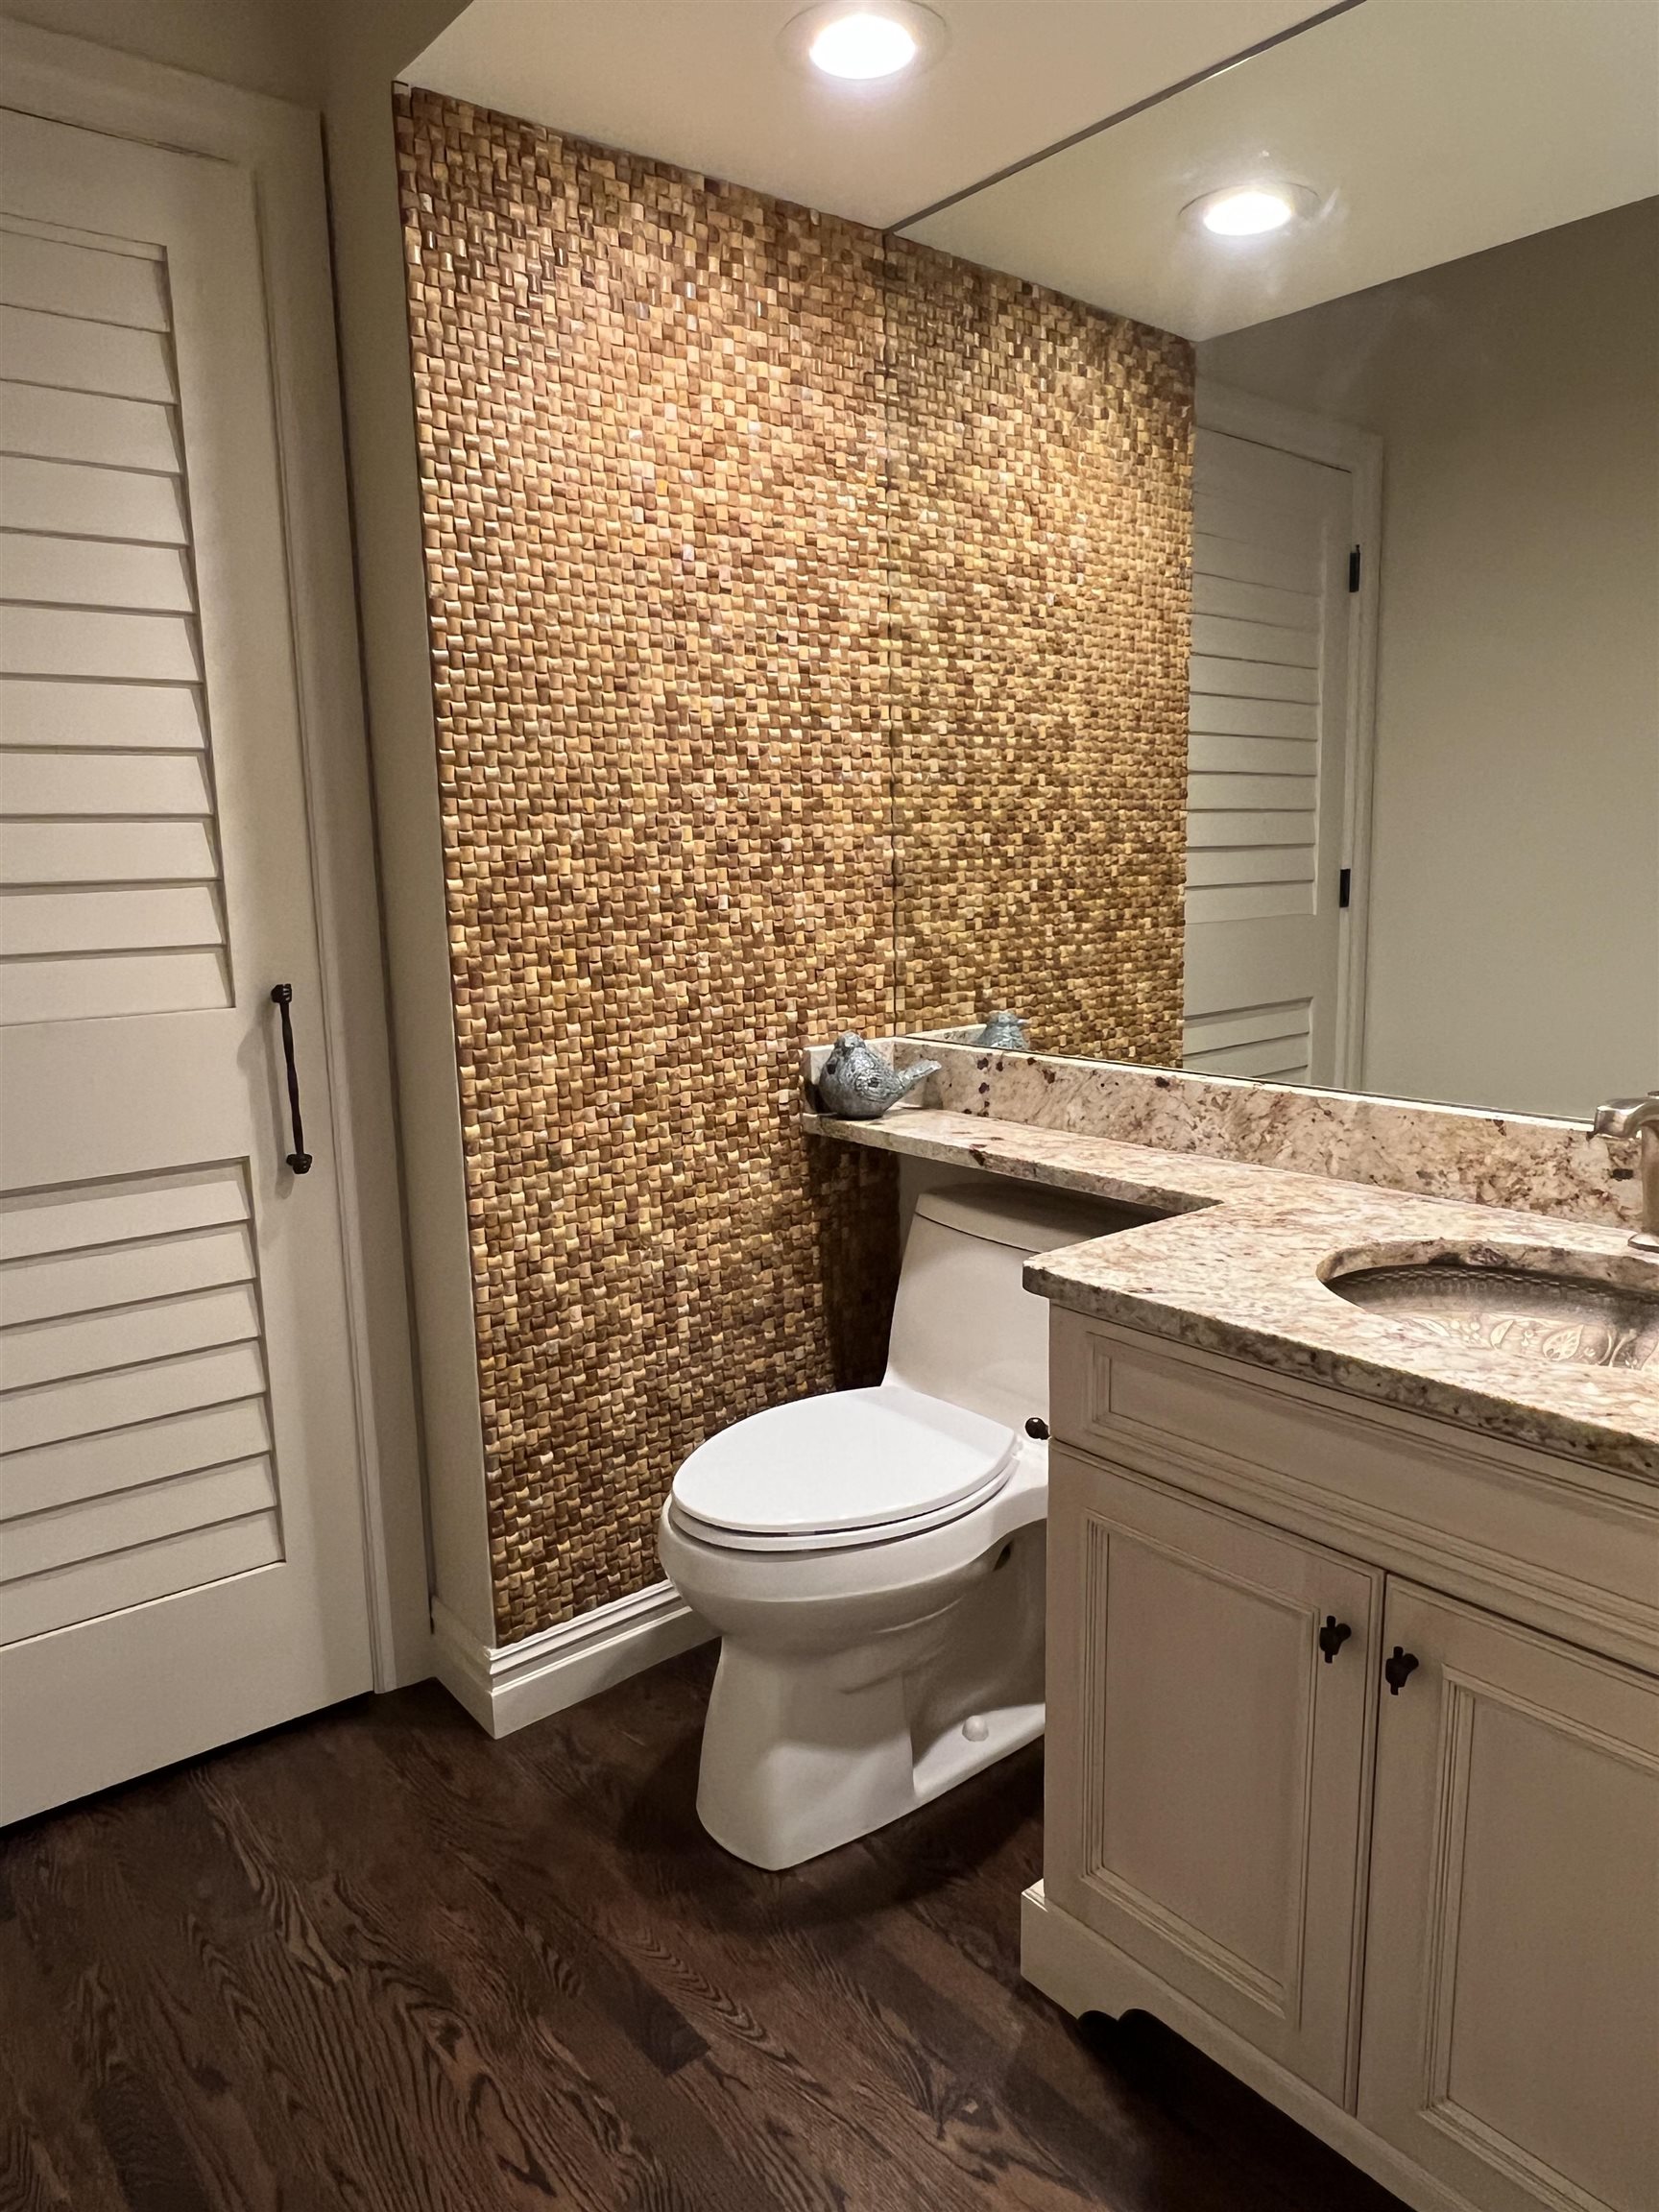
{"points": [[1637, 1117]]}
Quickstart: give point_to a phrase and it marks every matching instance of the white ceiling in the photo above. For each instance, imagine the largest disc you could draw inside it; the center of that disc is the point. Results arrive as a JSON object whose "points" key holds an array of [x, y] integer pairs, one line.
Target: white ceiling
{"points": [[1432, 128], [705, 84]]}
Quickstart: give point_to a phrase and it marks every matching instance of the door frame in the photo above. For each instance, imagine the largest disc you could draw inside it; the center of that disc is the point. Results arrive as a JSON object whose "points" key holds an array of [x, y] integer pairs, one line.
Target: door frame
{"points": [[281, 147], [1258, 421]]}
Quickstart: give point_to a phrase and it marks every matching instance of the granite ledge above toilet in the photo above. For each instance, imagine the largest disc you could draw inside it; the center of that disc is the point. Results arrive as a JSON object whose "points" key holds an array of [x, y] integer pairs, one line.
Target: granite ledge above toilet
{"points": [[1238, 1273]]}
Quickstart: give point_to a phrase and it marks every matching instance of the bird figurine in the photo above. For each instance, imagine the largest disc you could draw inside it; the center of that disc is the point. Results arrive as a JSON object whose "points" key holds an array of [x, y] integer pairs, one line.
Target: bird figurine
{"points": [[858, 1085], [1005, 1032]]}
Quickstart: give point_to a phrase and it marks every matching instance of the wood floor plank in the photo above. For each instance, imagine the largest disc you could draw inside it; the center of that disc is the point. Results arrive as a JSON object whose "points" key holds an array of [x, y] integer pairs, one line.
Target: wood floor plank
{"points": [[31, 2178], [804, 1921], [799, 1922], [377, 1963], [184, 1917], [550, 2007], [434, 2115], [795, 2062], [189, 2052], [797, 2142], [52, 2108]]}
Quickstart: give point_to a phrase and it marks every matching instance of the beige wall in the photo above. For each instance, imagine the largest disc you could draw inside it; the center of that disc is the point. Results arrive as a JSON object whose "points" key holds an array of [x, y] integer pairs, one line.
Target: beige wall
{"points": [[260, 45], [1514, 952], [360, 50]]}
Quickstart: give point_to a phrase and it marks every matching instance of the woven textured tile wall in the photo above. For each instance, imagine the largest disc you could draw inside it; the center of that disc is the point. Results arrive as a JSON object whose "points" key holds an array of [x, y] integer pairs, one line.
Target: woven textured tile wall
{"points": [[649, 422], [1040, 551], [661, 506]]}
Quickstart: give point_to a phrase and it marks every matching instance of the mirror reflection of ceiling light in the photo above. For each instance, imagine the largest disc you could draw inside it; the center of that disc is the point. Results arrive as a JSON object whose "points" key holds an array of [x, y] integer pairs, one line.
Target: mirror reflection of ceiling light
{"points": [[1252, 210], [861, 45]]}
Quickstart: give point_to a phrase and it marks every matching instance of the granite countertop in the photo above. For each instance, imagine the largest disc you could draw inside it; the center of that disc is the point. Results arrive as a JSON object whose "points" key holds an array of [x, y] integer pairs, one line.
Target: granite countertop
{"points": [[1237, 1270]]}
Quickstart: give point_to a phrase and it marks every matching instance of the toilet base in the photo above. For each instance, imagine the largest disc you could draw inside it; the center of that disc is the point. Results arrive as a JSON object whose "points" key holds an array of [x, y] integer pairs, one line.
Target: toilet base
{"points": [[804, 1751]]}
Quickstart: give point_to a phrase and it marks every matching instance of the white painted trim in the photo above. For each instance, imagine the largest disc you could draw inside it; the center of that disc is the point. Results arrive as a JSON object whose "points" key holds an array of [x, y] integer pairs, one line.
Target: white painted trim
{"points": [[1338, 445], [279, 147], [509, 1684]]}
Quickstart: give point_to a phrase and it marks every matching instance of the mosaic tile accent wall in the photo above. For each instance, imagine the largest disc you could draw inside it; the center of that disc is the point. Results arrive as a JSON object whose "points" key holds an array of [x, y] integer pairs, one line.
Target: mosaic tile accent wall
{"points": [[650, 429], [1040, 566], [656, 425]]}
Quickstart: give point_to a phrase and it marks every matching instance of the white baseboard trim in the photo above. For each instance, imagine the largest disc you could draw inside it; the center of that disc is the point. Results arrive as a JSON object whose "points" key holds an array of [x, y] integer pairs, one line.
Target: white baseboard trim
{"points": [[506, 1686]]}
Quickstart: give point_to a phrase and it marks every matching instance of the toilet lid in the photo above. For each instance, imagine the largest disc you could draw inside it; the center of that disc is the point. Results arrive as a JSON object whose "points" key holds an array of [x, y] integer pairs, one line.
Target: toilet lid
{"points": [[853, 1459]]}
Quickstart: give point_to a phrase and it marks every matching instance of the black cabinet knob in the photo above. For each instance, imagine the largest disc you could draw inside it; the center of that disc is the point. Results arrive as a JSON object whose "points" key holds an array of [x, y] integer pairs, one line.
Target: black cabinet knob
{"points": [[1037, 1428], [1398, 1669], [1333, 1636]]}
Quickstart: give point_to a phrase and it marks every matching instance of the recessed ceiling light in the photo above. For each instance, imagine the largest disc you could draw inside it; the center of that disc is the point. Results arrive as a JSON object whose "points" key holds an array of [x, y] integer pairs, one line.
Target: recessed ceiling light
{"points": [[861, 45], [1252, 210]]}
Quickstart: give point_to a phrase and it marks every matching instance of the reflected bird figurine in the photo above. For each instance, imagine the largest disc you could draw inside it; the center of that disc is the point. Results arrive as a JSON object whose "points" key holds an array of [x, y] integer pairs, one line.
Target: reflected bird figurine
{"points": [[858, 1085], [1005, 1032]]}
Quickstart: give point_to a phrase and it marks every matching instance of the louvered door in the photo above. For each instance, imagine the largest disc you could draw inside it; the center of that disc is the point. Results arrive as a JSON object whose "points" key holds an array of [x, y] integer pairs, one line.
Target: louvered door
{"points": [[180, 1548], [1268, 722]]}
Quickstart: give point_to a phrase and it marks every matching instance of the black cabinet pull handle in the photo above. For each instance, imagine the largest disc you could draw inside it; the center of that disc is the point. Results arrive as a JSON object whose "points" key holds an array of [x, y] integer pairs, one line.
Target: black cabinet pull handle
{"points": [[1398, 1669], [1333, 1636], [299, 1159]]}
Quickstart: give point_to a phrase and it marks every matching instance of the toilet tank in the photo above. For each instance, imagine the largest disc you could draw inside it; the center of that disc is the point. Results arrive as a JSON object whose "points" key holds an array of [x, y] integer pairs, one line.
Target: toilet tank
{"points": [[965, 1327]]}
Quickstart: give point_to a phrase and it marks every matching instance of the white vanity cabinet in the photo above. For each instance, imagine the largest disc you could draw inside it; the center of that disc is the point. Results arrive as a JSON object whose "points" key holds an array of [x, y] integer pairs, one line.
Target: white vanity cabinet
{"points": [[1510, 2028], [1214, 1817], [1404, 1880]]}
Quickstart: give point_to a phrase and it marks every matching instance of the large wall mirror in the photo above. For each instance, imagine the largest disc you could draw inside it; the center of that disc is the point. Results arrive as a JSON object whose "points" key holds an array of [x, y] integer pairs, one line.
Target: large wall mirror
{"points": [[1422, 830]]}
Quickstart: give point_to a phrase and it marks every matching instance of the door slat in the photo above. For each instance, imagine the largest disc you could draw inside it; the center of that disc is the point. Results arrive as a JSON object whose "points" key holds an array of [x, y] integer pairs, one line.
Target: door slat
{"points": [[1213, 636], [87, 1403], [166, 916], [63, 641], [101, 986], [47, 853], [44, 1603], [1226, 679], [79, 357], [81, 502], [99, 1343], [121, 1458], [55, 1284], [94, 572], [85, 717], [1239, 826], [89, 426], [99, 286], [89, 1529]]}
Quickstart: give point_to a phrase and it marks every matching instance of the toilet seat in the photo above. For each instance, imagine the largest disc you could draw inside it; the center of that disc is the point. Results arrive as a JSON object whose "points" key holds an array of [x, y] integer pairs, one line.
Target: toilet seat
{"points": [[852, 1467]]}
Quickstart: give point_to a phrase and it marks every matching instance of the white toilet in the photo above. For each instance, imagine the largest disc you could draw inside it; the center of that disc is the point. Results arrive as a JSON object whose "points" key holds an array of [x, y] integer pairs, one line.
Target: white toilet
{"points": [[873, 1561]]}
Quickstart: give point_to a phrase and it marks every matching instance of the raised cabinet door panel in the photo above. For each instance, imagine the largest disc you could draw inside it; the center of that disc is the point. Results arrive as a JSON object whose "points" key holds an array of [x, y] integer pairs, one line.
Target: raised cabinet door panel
{"points": [[1511, 2015], [1207, 1793]]}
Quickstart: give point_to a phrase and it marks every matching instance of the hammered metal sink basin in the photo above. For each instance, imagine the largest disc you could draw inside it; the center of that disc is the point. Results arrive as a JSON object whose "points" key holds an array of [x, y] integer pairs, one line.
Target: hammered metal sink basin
{"points": [[1501, 1299]]}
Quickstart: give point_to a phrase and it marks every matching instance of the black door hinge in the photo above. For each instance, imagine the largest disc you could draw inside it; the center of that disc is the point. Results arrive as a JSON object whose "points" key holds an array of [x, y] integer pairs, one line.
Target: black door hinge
{"points": [[1344, 885], [1353, 567]]}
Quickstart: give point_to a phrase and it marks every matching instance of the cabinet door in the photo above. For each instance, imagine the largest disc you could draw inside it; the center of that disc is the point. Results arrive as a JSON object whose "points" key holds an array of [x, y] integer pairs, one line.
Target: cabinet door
{"points": [[1511, 2015], [1207, 1763]]}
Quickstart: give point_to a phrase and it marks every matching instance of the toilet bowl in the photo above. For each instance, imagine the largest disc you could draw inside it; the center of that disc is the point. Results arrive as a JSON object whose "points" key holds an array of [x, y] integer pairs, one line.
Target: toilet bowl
{"points": [[873, 1561]]}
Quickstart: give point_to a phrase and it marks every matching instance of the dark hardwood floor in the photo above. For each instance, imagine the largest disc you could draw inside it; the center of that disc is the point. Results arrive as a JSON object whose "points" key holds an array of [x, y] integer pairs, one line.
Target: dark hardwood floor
{"points": [[375, 1962]]}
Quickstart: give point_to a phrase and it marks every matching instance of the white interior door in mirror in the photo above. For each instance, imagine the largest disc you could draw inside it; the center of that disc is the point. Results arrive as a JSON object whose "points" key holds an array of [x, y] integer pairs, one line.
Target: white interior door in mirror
{"points": [[1269, 720], [180, 1539]]}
